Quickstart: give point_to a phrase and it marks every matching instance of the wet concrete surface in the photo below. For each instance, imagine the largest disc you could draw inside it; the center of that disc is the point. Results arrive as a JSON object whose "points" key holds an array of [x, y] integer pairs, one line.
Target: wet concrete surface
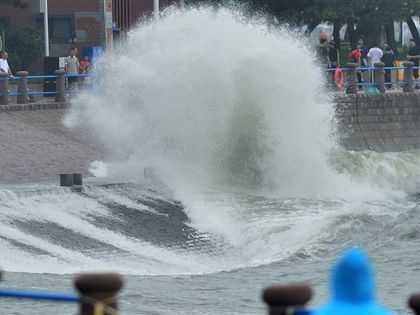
{"points": [[35, 145]]}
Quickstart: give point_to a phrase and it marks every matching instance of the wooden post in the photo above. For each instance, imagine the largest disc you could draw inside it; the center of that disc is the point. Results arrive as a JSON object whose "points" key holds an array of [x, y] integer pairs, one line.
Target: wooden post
{"points": [[23, 97], [98, 291], [281, 299], [351, 78], [60, 86], [408, 76], [414, 303], [77, 179], [4, 88], [380, 76], [66, 180]]}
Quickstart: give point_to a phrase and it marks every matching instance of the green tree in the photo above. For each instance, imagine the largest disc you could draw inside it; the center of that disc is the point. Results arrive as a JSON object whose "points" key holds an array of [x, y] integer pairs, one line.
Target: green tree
{"points": [[25, 46], [364, 17]]}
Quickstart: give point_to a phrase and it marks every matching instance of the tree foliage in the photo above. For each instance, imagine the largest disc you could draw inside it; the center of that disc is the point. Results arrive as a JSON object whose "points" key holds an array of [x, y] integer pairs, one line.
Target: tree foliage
{"points": [[366, 17], [25, 46]]}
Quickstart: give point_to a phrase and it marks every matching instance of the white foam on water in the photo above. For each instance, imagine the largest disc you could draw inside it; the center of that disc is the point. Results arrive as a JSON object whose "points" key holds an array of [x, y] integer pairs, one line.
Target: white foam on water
{"points": [[72, 212]]}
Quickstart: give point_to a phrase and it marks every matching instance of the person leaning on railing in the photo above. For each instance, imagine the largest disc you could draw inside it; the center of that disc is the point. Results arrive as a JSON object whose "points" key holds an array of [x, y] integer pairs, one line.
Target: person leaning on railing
{"points": [[414, 56], [4, 65]]}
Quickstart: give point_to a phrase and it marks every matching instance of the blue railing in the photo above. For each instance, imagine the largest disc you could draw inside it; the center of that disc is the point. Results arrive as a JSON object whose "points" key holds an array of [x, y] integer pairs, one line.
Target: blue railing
{"points": [[39, 295], [30, 79], [331, 84], [372, 83]]}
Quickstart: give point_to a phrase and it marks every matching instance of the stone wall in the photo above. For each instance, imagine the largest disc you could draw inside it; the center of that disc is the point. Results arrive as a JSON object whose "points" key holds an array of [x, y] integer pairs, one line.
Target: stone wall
{"points": [[379, 122]]}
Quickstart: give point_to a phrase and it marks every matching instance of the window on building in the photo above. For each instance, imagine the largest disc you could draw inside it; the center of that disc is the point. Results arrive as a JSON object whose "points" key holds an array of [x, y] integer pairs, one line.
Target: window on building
{"points": [[60, 28], [4, 21]]}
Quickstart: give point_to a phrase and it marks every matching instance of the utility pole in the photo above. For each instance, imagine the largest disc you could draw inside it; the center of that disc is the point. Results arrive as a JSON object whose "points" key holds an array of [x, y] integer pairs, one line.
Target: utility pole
{"points": [[155, 8], [46, 33]]}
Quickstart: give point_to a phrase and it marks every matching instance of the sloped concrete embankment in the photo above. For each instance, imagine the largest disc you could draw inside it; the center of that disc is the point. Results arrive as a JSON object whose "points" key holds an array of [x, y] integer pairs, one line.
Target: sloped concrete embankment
{"points": [[36, 146], [379, 122]]}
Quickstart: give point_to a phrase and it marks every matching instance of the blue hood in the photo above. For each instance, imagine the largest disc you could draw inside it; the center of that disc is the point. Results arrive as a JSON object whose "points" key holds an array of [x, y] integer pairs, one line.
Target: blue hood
{"points": [[353, 287], [352, 278]]}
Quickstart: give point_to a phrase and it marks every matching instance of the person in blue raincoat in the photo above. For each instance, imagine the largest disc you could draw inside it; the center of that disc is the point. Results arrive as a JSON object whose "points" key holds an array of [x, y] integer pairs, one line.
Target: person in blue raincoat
{"points": [[353, 288]]}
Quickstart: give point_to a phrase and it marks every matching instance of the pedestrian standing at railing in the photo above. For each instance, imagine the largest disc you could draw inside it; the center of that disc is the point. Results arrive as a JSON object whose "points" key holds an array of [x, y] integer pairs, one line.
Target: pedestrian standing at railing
{"points": [[334, 57], [71, 67], [385, 47], [388, 59], [356, 56], [85, 69], [364, 61], [322, 50], [414, 56], [375, 54], [364, 49], [4, 65]]}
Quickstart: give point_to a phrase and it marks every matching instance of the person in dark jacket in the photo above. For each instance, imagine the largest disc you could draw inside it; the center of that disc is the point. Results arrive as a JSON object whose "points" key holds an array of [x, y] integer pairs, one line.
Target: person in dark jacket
{"points": [[414, 56], [388, 59], [334, 55]]}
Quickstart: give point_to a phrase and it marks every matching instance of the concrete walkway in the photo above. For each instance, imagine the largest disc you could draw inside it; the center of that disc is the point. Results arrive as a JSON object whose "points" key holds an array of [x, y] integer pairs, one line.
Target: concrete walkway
{"points": [[36, 146]]}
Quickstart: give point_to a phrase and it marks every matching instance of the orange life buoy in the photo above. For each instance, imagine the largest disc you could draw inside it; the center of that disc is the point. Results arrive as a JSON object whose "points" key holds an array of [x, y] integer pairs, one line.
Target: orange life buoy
{"points": [[338, 78]]}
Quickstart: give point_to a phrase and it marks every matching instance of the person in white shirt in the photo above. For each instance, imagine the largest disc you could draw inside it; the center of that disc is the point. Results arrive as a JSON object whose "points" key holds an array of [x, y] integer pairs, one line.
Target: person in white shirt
{"points": [[4, 66], [375, 54]]}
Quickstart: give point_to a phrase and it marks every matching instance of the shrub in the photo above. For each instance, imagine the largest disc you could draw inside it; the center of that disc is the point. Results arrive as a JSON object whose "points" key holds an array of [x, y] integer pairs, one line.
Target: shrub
{"points": [[24, 45]]}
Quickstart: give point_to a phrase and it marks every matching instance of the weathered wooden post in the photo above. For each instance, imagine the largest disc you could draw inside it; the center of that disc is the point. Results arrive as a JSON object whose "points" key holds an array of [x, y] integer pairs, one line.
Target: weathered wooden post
{"points": [[98, 292], [414, 303], [351, 78], [23, 96], [408, 76], [60, 86], [77, 179], [281, 299], [4, 88], [66, 180], [379, 76]]}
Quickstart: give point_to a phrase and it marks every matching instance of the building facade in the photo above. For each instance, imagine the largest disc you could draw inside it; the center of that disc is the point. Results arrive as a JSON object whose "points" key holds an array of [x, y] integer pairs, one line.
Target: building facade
{"points": [[126, 13], [78, 23]]}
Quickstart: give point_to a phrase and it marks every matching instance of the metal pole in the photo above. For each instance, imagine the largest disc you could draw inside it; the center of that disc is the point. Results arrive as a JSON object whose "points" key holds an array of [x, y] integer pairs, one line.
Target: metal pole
{"points": [[47, 46], [155, 8]]}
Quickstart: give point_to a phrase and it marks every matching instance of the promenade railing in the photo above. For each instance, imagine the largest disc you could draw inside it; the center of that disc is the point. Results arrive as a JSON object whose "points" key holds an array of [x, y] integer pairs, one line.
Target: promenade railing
{"points": [[355, 80], [97, 294], [28, 86], [372, 79]]}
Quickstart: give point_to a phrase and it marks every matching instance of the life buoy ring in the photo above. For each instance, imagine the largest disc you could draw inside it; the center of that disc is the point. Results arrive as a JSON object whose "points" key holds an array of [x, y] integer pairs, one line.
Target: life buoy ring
{"points": [[338, 78]]}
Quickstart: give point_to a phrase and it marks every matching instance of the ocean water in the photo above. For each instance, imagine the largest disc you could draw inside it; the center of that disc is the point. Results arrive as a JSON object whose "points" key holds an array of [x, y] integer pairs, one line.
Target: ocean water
{"points": [[226, 177]]}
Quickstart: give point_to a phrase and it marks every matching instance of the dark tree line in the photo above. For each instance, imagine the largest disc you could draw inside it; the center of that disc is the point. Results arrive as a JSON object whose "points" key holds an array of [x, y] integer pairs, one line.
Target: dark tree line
{"points": [[365, 18]]}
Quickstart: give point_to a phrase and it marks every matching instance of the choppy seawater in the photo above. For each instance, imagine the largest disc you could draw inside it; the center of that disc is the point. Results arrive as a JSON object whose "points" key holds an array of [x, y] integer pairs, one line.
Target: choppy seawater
{"points": [[171, 267]]}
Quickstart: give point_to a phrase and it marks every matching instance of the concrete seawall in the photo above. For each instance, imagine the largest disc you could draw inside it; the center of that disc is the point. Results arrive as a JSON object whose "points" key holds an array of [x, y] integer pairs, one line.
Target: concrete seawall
{"points": [[379, 122], [36, 146]]}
